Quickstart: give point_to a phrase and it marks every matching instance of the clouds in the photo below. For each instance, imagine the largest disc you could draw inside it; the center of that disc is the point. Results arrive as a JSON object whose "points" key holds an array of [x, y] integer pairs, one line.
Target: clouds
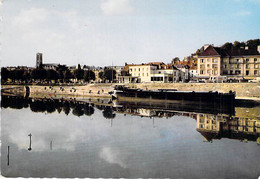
{"points": [[113, 156], [28, 18], [104, 31], [243, 13], [116, 7]]}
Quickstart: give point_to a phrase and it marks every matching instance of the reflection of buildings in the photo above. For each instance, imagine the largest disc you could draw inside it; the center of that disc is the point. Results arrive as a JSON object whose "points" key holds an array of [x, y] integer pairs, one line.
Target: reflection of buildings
{"points": [[243, 125], [223, 126]]}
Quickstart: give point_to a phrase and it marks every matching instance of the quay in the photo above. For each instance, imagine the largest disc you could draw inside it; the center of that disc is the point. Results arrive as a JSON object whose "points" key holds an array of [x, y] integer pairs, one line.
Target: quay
{"points": [[244, 91]]}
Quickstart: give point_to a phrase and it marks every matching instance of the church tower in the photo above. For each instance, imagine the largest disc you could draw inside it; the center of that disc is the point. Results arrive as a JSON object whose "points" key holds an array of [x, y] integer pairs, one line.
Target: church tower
{"points": [[38, 60]]}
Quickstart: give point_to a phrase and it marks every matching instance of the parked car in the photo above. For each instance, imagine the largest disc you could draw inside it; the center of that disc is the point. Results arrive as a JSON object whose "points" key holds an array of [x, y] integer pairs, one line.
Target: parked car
{"points": [[256, 80], [218, 79]]}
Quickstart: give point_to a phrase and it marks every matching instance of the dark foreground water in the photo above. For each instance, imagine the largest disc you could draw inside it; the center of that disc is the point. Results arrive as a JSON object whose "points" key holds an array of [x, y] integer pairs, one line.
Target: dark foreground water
{"points": [[71, 139]]}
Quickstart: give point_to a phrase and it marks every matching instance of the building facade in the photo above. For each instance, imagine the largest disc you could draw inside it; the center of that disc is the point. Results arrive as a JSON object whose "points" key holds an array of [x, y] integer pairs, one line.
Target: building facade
{"points": [[237, 64]]}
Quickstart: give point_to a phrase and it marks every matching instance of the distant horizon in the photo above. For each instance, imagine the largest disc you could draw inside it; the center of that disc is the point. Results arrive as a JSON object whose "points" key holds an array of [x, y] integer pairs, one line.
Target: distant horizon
{"points": [[106, 32]]}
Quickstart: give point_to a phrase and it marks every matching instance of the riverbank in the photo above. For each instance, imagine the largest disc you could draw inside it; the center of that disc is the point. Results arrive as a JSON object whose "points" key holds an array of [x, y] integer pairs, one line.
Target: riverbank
{"points": [[244, 91]]}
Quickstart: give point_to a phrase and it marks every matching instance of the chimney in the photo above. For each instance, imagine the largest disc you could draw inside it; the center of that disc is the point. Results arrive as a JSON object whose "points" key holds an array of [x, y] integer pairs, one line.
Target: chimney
{"points": [[246, 47], [258, 48]]}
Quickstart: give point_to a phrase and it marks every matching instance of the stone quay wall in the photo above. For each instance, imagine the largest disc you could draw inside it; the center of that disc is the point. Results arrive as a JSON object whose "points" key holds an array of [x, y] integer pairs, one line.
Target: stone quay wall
{"points": [[250, 91]]}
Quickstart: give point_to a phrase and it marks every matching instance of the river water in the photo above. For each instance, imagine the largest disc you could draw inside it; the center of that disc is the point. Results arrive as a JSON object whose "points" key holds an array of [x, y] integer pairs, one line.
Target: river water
{"points": [[100, 138]]}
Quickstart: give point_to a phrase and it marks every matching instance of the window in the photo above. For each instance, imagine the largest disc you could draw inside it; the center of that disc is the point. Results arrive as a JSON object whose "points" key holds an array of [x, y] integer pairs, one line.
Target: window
{"points": [[139, 69], [215, 66], [238, 66], [255, 72], [247, 66], [214, 60], [225, 72], [247, 60], [201, 60], [130, 69], [231, 72], [201, 71], [138, 74], [225, 66], [237, 72], [208, 65], [256, 66], [143, 74], [247, 72], [255, 59], [237, 60], [208, 60]]}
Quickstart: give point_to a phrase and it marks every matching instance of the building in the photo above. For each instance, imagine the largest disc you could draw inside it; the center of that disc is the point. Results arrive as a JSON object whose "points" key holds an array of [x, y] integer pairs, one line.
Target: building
{"points": [[142, 72], [38, 60], [237, 64], [47, 66], [154, 72], [223, 126]]}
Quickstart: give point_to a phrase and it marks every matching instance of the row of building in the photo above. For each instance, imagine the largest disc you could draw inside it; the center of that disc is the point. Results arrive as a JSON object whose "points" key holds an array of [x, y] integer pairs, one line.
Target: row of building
{"points": [[214, 64]]}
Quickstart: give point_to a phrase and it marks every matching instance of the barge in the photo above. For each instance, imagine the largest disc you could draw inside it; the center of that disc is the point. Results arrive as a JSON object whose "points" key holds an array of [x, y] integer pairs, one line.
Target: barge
{"points": [[173, 94]]}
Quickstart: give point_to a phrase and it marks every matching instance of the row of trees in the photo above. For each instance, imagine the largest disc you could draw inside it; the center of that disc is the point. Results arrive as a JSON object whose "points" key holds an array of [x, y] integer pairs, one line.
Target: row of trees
{"points": [[54, 105], [252, 44], [61, 74]]}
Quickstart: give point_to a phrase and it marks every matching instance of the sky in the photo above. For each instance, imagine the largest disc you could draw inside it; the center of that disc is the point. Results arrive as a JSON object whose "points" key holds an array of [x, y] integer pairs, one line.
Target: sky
{"points": [[112, 32]]}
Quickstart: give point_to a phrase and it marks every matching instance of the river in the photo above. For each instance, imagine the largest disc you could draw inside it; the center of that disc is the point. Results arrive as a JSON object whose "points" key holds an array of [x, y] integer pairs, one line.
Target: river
{"points": [[103, 138]]}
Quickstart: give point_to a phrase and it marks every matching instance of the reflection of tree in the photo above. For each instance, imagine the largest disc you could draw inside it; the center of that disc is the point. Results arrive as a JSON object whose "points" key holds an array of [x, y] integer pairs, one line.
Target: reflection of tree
{"points": [[59, 109], [78, 111], [100, 107], [38, 106], [66, 108], [88, 110], [108, 113], [50, 107]]}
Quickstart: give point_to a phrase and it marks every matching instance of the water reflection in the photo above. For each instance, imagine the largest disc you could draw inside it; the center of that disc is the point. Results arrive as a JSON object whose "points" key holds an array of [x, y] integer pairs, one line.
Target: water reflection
{"points": [[240, 122], [145, 140]]}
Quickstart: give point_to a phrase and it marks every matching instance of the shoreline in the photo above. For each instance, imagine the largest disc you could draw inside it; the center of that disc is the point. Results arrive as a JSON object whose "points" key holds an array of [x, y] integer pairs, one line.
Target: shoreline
{"points": [[244, 91]]}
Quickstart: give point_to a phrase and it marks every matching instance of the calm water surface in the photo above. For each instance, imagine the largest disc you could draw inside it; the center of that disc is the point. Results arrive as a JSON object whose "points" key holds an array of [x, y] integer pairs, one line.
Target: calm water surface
{"points": [[90, 140]]}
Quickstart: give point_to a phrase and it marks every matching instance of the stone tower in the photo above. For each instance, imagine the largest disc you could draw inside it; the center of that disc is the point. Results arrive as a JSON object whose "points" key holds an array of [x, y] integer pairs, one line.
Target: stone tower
{"points": [[38, 60]]}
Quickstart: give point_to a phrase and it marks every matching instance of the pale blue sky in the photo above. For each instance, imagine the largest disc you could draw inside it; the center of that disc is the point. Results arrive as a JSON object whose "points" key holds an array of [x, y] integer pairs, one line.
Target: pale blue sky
{"points": [[102, 32]]}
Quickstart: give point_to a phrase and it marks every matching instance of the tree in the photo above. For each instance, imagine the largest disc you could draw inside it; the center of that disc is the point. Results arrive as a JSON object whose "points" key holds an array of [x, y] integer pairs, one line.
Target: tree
{"points": [[67, 75], [78, 74], [227, 46], [39, 74], [101, 75], [252, 44], [51, 75], [89, 75], [4, 74], [176, 61], [109, 74]]}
